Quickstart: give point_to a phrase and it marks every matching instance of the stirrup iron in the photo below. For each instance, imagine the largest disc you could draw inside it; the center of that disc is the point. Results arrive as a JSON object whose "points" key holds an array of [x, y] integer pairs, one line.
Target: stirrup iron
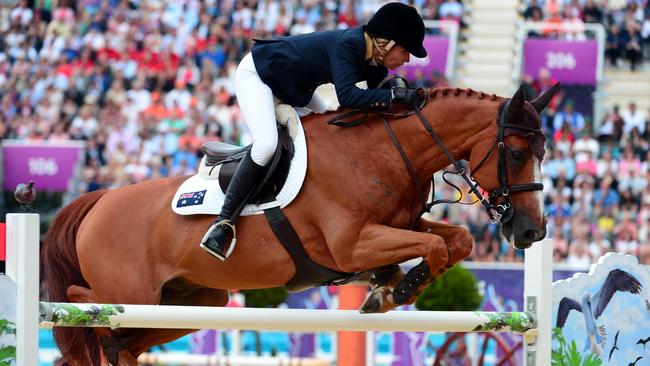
{"points": [[233, 242]]}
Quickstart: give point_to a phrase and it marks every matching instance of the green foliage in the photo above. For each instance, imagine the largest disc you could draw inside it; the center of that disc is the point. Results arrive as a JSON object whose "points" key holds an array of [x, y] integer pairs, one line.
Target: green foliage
{"points": [[568, 354], [72, 314], [265, 298], [7, 327], [7, 353], [517, 322], [455, 290]]}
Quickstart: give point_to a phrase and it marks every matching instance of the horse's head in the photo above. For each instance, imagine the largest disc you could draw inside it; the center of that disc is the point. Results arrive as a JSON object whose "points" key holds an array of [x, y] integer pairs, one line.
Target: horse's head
{"points": [[505, 161]]}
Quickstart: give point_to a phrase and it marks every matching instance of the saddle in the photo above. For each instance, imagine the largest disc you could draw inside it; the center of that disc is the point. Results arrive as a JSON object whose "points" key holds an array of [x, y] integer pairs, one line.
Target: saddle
{"points": [[308, 273], [229, 156]]}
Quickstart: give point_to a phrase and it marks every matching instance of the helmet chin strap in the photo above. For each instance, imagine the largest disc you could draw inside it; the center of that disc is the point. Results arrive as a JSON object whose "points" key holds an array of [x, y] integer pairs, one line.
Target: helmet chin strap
{"points": [[382, 50]]}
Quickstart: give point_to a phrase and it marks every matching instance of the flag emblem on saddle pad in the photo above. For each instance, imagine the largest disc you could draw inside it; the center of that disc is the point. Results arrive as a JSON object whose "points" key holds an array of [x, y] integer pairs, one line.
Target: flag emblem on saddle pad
{"points": [[190, 199]]}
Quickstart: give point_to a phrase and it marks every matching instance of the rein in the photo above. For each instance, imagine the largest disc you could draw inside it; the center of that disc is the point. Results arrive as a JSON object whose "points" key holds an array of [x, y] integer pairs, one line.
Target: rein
{"points": [[498, 213]]}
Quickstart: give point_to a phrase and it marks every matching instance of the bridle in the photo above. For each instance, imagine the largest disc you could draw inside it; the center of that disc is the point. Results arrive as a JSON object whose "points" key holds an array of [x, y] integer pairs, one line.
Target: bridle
{"points": [[498, 212]]}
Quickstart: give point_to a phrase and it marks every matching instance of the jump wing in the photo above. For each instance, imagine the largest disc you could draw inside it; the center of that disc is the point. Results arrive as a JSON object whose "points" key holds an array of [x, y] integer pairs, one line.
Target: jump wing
{"points": [[617, 280], [563, 309]]}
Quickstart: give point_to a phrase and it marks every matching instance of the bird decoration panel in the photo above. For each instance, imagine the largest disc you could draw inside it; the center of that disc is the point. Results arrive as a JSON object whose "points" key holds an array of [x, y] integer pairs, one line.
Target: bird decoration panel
{"points": [[603, 317]]}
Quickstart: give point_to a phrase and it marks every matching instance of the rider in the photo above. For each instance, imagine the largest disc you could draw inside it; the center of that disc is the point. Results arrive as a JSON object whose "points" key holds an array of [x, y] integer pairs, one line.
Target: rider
{"points": [[290, 68]]}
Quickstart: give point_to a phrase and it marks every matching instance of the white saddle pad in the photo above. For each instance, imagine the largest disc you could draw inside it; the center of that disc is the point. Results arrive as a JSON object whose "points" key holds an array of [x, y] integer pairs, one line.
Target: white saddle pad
{"points": [[202, 194]]}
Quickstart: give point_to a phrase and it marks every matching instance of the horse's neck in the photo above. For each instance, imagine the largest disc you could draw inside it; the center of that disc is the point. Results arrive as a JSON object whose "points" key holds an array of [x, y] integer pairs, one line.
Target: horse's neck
{"points": [[459, 122], [367, 150]]}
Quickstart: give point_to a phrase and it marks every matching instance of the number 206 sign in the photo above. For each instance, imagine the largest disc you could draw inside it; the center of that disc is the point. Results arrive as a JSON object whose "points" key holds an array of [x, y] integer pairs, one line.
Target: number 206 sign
{"points": [[570, 62]]}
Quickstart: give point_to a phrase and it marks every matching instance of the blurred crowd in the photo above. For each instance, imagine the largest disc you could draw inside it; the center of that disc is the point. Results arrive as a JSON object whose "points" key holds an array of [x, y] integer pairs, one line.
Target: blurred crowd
{"points": [[627, 24], [145, 82]]}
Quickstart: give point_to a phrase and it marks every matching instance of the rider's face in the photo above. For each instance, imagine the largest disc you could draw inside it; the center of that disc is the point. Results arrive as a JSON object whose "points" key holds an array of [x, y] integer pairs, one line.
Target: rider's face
{"points": [[396, 57]]}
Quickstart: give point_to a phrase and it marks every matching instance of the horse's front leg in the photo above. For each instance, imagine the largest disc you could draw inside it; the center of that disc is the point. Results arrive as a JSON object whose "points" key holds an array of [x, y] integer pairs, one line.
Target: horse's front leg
{"points": [[392, 287], [381, 246]]}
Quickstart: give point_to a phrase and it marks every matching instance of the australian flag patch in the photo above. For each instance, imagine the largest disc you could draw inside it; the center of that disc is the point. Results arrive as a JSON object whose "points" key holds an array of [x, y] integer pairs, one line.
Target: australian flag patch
{"points": [[191, 199]]}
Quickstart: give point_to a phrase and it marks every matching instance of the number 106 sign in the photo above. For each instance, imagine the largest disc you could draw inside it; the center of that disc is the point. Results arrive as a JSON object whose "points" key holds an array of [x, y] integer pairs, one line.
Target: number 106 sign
{"points": [[570, 62]]}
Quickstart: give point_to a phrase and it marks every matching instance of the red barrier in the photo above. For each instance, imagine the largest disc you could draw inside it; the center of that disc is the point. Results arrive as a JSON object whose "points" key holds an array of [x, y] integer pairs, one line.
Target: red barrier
{"points": [[3, 242], [352, 345]]}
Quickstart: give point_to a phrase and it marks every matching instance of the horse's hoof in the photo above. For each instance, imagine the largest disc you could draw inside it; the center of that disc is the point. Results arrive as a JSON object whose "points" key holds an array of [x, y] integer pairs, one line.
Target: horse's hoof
{"points": [[371, 305]]}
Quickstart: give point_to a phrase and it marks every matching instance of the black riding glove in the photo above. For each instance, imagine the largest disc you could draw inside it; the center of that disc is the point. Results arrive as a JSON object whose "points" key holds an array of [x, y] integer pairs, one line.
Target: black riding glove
{"points": [[405, 96]]}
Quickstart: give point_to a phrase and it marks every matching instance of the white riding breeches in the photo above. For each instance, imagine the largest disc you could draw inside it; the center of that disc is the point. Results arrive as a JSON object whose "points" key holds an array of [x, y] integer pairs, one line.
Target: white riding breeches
{"points": [[257, 105]]}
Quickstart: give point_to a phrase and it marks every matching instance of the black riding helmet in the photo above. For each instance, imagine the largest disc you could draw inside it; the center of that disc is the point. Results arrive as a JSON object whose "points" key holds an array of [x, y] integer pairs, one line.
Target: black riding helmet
{"points": [[400, 23]]}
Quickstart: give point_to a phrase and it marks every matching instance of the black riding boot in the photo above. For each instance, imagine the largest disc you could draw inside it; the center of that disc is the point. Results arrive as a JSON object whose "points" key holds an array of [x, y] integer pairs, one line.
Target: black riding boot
{"points": [[246, 176]]}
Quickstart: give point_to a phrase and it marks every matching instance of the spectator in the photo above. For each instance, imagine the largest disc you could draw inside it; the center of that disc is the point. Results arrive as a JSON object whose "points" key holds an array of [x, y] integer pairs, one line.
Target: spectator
{"points": [[611, 128], [629, 164], [451, 10], [553, 25], [559, 165], [592, 13], [579, 256], [606, 165], [626, 244], [179, 97], [614, 45], [633, 45], [572, 25], [85, 121], [599, 245], [606, 198], [645, 29], [586, 147], [560, 246], [21, 15], [564, 138], [543, 82], [559, 207], [569, 115], [531, 9], [633, 118]]}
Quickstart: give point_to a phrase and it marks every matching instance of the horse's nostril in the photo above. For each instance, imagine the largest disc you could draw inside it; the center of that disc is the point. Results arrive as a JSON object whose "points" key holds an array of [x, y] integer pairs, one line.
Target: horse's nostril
{"points": [[531, 234]]}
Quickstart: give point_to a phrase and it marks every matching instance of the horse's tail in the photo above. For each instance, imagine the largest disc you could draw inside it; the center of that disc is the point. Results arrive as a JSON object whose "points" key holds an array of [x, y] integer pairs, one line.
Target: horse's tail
{"points": [[60, 266]]}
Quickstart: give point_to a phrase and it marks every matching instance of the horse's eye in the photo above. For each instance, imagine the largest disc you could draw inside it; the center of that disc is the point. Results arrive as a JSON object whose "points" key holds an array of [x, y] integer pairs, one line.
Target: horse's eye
{"points": [[518, 155]]}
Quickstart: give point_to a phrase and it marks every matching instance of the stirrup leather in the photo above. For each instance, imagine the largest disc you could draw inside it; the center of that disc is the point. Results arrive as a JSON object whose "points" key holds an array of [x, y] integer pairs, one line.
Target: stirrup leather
{"points": [[232, 243]]}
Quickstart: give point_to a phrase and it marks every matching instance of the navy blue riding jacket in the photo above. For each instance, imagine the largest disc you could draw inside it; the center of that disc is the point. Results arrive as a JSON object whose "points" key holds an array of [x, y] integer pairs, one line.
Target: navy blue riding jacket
{"points": [[294, 66]]}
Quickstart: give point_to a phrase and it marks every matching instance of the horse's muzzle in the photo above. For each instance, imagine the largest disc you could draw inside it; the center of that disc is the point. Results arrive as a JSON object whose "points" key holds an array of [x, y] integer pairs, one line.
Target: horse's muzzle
{"points": [[522, 233]]}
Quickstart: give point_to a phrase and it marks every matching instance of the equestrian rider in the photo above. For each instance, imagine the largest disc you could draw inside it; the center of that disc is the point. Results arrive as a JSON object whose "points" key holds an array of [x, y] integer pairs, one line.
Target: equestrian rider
{"points": [[290, 68]]}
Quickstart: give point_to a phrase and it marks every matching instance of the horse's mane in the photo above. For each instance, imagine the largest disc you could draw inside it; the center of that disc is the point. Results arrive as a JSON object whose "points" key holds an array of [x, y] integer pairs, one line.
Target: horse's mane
{"points": [[531, 118], [458, 91]]}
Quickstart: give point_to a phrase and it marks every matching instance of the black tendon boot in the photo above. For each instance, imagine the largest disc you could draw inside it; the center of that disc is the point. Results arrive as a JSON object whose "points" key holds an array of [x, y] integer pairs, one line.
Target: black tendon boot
{"points": [[246, 177]]}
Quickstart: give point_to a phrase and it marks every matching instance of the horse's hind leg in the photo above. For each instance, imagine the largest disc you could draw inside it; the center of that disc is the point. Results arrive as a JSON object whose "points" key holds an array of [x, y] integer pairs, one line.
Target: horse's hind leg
{"points": [[112, 342], [382, 282], [140, 340]]}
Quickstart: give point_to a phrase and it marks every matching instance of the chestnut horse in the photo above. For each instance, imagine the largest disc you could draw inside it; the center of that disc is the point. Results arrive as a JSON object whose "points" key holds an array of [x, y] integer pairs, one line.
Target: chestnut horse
{"points": [[126, 246]]}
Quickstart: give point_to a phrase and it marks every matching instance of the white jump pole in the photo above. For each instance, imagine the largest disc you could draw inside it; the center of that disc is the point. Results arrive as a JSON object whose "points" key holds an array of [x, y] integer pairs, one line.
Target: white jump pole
{"points": [[538, 299], [204, 317], [205, 360], [23, 269]]}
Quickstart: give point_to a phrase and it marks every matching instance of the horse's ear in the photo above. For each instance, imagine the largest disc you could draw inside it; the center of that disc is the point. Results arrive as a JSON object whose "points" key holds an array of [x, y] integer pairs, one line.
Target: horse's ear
{"points": [[516, 107], [543, 99]]}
